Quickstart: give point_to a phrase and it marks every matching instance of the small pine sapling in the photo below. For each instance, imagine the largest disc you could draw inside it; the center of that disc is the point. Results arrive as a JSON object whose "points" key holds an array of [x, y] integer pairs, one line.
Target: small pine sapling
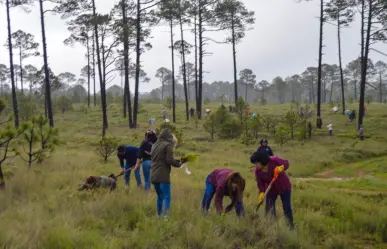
{"points": [[107, 146], [291, 119], [281, 135], [7, 135], [41, 140], [210, 125], [255, 125]]}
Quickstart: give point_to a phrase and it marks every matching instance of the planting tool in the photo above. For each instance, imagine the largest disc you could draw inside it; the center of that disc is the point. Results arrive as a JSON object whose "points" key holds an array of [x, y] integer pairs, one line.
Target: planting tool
{"points": [[267, 191]]}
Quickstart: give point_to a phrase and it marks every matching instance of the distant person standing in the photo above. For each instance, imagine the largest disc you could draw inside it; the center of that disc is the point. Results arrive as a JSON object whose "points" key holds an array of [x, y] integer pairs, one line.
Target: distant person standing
{"points": [[247, 112], [330, 128], [164, 113], [310, 129], [265, 147], [192, 112], [361, 132]]}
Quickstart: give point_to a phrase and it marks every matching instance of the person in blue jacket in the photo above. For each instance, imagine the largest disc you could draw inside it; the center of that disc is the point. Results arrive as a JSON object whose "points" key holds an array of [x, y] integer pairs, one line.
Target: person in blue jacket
{"points": [[265, 147], [127, 156]]}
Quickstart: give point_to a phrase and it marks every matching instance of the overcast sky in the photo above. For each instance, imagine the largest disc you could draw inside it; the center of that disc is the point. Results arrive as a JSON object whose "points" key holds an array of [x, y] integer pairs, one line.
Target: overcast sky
{"points": [[283, 42]]}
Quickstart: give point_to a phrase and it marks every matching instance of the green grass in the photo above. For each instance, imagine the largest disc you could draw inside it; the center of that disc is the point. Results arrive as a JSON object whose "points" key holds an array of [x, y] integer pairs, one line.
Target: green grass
{"points": [[41, 208]]}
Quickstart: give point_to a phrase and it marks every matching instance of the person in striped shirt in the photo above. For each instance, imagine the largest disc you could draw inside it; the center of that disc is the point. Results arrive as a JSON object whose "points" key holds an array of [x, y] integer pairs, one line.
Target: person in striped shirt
{"points": [[265, 168]]}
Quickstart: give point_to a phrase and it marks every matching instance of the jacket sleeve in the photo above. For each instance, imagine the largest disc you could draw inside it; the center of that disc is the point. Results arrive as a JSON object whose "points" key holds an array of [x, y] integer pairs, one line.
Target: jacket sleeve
{"points": [[121, 162], [169, 157], [270, 152], [283, 162], [261, 185], [219, 200], [141, 151]]}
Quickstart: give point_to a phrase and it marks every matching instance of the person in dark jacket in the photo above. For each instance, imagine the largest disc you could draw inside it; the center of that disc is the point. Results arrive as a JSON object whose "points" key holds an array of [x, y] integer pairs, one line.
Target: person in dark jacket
{"points": [[192, 112], [310, 129], [265, 147], [319, 122], [224, 182], [127, 156], [144, 155], [266, 167], [162, 160]]}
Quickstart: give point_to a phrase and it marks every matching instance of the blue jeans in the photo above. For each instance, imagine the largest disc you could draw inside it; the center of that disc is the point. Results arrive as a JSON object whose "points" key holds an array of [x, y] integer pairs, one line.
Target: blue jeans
{"points": [[136, 174], [146, 167], [286, 205], [209, 193], [163, 203]]}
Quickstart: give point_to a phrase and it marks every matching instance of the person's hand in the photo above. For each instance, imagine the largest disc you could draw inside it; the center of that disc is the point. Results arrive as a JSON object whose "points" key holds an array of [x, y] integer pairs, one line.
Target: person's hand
{"points": [[122, 171], [182, 160], [260, 197], [279, 170]]}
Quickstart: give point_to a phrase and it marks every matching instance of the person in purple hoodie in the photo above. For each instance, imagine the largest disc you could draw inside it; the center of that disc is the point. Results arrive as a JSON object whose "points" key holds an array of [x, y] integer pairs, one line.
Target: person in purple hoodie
{"points": [[265, 168], [224, 182], [265, 147]]}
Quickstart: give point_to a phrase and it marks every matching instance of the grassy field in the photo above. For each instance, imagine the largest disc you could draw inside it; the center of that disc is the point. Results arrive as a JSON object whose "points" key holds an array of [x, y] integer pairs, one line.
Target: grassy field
{"points": [[41, 208]]}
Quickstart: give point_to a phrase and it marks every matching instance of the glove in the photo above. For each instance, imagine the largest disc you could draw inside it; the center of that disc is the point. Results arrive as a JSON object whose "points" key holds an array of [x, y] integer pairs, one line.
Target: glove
{"points": [[279, 170], [260, 197], [182, 160]]}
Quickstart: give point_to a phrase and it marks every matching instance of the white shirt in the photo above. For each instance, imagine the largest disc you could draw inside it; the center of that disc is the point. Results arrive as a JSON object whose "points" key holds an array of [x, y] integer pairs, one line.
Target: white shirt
{"points": [[329, 127]]}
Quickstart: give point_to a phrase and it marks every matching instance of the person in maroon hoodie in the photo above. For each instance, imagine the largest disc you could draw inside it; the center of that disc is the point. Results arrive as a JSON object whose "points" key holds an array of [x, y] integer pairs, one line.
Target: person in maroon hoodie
{"points": [[224, 182], [265, 168]]}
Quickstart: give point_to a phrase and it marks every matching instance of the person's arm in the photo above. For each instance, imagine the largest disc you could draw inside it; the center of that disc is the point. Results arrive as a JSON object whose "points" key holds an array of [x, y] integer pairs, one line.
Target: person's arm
{"points": [[219, 200], [121, 163], [283, 162], [170, 159], [260, 184]]}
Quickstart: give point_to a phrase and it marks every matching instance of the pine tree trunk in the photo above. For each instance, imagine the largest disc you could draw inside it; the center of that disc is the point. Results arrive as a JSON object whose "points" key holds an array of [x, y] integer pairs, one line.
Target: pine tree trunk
{"points": [[46, 71], [94, 94], [21, 71], [127, 100], [234, 64], [183, 62], [101, 82], [196, 64], [320, 60], [138, 53], [380, 88], [88, 71], [365, 64], [200, 86], [2, 180], [173, 73], [14, 98], [340, 64]]}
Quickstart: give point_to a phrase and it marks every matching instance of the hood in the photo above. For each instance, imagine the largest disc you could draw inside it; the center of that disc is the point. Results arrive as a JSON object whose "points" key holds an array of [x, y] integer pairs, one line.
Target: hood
{"points": [[166, 135]]}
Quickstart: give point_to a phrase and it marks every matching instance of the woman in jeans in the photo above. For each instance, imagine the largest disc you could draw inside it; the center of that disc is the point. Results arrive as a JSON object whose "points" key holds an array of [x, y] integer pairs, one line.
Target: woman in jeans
{"points": [[144, 155], [162, 160]]}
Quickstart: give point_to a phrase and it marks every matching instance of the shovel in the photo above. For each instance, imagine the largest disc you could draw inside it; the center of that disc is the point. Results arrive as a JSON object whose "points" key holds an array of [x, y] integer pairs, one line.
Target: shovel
{"points": [[266, 192]]}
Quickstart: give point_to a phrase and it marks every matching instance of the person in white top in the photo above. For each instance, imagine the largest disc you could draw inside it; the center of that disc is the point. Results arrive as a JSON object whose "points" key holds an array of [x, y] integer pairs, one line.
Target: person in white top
{"points": [[330, 129]]}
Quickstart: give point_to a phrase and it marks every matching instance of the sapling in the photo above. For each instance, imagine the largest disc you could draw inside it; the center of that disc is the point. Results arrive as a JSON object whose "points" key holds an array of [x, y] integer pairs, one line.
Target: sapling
{"points": [[7, 135], [40, 139], [210, 125], [291, 119], [107, 146], [281, 135]]}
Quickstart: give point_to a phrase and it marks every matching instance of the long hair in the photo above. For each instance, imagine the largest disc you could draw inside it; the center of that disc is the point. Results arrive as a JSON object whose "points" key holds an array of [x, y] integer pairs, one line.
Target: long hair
{"points": [[241, 183]]}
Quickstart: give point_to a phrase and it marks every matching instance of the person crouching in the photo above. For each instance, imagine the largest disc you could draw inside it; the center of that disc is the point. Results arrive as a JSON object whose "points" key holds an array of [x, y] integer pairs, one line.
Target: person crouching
{"points": [[94, 182], [224, 182]]}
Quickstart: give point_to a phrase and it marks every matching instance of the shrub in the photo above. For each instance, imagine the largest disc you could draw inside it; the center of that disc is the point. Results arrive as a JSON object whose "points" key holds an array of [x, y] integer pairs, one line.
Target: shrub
{"points": [[107, 146], [168, 103], [63, 104], [232, 128], [210, 125], [282, 135]]}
